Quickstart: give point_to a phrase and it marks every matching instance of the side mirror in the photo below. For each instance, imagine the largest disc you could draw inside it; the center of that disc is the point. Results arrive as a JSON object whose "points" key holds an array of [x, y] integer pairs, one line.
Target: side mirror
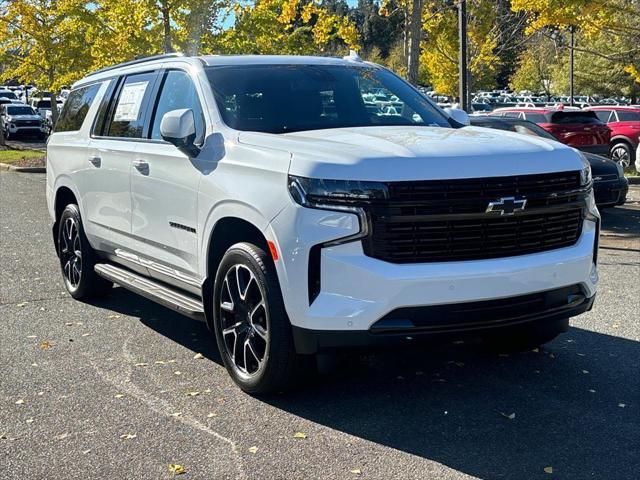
{"points": [[459, 115], [179, 128]]}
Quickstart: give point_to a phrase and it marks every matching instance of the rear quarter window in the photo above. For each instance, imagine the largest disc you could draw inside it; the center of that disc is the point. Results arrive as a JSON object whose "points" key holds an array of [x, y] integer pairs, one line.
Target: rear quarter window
{"points": [[535, 117], [76, 108], [565, 118]]}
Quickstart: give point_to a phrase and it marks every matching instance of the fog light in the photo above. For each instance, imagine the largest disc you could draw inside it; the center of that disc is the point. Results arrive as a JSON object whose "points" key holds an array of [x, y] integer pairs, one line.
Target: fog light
{"points": [[593, 276]]}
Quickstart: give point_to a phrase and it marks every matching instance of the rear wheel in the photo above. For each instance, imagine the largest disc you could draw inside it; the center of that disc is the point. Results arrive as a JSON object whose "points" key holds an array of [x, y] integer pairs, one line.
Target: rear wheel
{"points": [[251, 326], [520, 339], [77, 258], [621, 153]]}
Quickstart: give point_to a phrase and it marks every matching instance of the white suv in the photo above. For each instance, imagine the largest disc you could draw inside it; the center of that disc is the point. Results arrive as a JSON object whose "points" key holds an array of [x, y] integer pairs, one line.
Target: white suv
{"points": [[283, 201]]}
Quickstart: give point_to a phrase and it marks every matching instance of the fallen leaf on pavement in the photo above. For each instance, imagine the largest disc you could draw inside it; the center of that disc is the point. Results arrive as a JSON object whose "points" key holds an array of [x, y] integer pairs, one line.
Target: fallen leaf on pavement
{"points": [[211, 415], [44, 345], [31, 336], [22, 304], [19, 402], [192, 394], [548, 469], [113, 316], [253, 449], [198, 356], [300, 435], [118, 395], [128, 436], [84, 452], [176, 469], [356, 471], [176, 414], [178, 372], [142, 364], [86, 334], [29, 420]]}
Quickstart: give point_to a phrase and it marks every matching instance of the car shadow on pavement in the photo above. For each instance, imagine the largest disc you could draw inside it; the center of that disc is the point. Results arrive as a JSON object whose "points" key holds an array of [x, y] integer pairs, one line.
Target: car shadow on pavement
{"points": [[621, 220], [572, 405]]}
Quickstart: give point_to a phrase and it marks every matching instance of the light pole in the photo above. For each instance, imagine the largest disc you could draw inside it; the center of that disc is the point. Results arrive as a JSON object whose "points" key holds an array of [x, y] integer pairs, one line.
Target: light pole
{"points": [[462, 55], [571, 45]]}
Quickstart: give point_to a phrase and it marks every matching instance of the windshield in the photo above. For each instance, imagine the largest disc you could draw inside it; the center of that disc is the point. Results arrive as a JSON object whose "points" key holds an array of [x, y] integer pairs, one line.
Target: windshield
{"points": [[9, 95], [43, 104], [291, 98], [20, 111]]}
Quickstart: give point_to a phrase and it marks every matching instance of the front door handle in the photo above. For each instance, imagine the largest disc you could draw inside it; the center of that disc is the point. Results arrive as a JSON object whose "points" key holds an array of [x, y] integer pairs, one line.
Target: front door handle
{"points": [[141, 166], [95, 161]]}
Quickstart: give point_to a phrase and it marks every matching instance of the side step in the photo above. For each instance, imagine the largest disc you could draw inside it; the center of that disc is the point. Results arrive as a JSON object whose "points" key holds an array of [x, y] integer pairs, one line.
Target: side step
{"points": [[153, 290]]}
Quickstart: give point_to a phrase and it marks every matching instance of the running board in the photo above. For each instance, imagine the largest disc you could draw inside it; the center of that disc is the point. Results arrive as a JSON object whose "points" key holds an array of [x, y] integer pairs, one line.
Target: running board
{"points": [[153, 290]]}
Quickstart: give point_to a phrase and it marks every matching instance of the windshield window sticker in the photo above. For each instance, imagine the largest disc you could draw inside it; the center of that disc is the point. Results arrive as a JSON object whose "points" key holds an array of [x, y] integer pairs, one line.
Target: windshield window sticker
{"points": [[130, 101]]}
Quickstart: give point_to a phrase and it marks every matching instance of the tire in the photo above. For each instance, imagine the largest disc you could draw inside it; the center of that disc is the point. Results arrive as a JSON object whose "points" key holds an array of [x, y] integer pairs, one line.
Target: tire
{"points": [[522, 339], [77, 258], [621, 152], [252, 329]]}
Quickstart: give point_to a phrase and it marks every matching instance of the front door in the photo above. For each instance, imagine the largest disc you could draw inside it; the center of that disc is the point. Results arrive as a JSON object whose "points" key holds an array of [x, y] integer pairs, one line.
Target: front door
{"points": [[164, 190]]}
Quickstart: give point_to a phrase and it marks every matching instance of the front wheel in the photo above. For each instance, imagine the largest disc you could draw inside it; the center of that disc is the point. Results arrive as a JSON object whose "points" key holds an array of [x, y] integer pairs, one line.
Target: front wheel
{"points": [[251, 326], [77, 258], [621, 153]]}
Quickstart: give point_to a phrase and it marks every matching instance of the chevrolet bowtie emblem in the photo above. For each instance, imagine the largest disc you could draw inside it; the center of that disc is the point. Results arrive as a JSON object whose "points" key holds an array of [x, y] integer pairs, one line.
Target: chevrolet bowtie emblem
{"points": [[506, 205]]}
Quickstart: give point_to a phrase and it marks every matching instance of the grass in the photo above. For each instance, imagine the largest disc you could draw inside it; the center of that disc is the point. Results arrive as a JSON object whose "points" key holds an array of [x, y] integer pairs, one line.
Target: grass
{"points": [[22, 158]]}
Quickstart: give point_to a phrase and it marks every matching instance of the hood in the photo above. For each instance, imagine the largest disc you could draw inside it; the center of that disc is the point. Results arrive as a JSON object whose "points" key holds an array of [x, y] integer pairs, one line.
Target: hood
{"points": [[415, 153], [600, 165]]}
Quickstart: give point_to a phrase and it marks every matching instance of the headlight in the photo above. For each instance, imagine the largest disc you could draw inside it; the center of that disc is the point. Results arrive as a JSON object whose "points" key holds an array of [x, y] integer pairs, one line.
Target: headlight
{"points": [[585, 173], [316, 193], [620, 170]]}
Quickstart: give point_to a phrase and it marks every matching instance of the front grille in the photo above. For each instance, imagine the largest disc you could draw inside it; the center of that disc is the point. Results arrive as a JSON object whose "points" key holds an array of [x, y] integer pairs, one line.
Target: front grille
{"points": [[27, 123], [446, 220]]}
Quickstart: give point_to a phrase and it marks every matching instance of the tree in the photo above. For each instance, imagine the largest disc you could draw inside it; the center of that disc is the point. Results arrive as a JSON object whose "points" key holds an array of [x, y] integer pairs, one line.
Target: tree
{"points": [[43, 42], [285, 27], [617, 21], [536, 66], [440, 46]]}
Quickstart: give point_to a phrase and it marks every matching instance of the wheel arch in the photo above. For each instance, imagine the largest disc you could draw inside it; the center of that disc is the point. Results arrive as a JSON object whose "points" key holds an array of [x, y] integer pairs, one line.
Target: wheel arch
{"points": [[621, 139], [226, 232], [64, 196]]}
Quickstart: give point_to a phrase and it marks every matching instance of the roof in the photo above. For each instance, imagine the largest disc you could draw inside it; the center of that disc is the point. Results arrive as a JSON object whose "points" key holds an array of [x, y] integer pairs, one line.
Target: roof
{"points": [[215, 60], [613, 107]]}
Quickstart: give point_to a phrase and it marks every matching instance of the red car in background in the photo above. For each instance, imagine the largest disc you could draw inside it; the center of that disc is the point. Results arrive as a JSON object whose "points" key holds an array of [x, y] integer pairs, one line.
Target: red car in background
{"points": [[624, 123], [577, 128]]}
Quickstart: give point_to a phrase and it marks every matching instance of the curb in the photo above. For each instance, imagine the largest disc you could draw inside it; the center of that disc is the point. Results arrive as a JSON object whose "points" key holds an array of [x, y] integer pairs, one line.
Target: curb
{"points": [[13, 168], [634, 180], [23, 146]]}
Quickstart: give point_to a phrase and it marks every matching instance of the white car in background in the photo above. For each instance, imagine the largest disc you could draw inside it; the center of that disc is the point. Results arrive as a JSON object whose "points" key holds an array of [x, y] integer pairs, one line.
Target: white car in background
{"points": [[19, 119]]}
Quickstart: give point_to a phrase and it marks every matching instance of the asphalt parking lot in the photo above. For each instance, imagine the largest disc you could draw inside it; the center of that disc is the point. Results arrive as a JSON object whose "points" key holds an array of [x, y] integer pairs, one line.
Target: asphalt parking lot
{"points": [[111, 389]]}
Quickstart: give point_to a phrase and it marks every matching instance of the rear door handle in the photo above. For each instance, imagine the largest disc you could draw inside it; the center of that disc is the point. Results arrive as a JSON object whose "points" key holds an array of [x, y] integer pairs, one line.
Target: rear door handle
{"points": [[141, 166], [95, 161]]}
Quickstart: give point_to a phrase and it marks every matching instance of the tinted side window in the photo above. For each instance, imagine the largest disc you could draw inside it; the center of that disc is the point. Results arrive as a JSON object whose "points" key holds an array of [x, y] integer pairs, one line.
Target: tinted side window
{"points": [[76, 108], [535, 117], [628, 116], [128, 116], [603, 115], [178, 92], [512, 114]]}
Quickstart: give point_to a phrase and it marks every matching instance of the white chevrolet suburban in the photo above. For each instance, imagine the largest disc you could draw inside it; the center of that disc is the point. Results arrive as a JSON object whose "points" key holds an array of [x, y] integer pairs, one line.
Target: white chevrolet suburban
{"points": [[304, 205]]}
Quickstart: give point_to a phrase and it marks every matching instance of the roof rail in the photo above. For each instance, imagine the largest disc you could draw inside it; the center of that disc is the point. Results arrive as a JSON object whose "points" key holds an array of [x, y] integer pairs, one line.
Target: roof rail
{"points": [[137, 61]]}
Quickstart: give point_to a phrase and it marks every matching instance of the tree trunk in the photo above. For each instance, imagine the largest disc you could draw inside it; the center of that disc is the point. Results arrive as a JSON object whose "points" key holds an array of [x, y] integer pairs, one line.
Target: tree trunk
{"points": [[2, 142], [166, 24], [415, 34]]}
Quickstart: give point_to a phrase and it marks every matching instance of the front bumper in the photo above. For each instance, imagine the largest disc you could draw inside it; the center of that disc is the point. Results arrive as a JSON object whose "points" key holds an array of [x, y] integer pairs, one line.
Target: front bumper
{"points": [[357, 291], [26, 130], [609, 193], [413, 325]]}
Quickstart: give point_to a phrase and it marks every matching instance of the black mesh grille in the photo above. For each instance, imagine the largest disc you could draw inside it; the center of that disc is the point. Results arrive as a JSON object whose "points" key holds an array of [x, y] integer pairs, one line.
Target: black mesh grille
{"points": [[445, 220]]}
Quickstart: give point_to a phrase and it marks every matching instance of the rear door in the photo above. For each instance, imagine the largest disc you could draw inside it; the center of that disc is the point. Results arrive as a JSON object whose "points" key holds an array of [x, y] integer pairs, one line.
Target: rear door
{"points": [[164, 188], [580, 128], [117, 132]]}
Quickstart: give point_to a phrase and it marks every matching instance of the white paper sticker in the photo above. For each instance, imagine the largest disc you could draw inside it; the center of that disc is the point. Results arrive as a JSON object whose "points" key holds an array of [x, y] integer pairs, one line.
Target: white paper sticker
{"points": [[130, 101]]}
